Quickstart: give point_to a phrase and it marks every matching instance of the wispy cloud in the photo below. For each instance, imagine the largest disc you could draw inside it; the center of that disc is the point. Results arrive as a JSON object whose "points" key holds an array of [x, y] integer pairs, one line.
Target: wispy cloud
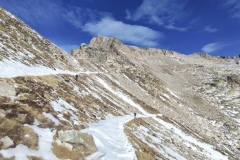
{"points": [[210, 29], [233, 6], [87, 20], [163, 13], [51, 12], [78, 16], [211, 47], [133, 34], [101, 23], [181, 29], [36, 12]]}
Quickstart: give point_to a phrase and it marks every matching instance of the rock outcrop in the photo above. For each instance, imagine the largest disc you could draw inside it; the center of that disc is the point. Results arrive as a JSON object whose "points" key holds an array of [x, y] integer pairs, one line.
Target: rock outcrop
{"points": [[81, 142], [6, 142], [7, 90]]}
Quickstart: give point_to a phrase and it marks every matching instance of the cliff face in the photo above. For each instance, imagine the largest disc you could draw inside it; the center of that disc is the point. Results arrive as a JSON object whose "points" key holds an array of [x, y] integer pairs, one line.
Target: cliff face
{"points": [[187, 106]]}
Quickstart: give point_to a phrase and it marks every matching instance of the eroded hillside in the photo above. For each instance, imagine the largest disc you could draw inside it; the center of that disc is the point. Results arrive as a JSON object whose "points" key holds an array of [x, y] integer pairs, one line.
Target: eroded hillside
{"points": [[20, 43], [187, 106]]}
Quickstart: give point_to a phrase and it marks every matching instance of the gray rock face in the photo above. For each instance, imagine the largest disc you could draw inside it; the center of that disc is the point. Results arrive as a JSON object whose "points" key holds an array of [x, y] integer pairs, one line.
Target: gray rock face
{"points": [[85, 141], [6, 89], [65, 145], [6, 142], [2, 114]]}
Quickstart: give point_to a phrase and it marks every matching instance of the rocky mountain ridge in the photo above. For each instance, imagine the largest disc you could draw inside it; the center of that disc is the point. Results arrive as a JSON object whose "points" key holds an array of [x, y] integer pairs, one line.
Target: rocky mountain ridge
{"points": [[21, 43], [187, 106]]}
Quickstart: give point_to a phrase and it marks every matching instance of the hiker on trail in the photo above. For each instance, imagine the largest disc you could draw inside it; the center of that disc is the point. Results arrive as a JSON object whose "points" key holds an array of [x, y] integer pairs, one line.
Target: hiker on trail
{"points": [[135, 114], [76, 77]]}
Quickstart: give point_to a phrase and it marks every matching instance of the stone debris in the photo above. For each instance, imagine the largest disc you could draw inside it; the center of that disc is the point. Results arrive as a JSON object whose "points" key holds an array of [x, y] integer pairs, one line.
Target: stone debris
{"points": [[6, 142], [6, 89], [77, 138]]}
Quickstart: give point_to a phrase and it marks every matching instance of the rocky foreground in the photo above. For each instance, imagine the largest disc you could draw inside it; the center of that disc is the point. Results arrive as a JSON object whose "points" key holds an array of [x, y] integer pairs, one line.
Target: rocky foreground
{"points": [[187, 107]]}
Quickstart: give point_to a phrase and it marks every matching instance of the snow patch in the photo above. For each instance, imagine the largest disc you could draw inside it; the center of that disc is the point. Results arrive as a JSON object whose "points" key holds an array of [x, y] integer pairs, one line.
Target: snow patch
{"points": [[11, 68], [21, 152], [80, 94], [111, 141], [60, 106], [51, 117], [207, 149], [122, 96]]}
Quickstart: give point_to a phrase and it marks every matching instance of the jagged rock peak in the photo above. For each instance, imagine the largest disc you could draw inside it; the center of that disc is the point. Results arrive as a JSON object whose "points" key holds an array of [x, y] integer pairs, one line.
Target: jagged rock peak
{"points": [[203, 54], [206, 56], [105, 42], [109, 45]]}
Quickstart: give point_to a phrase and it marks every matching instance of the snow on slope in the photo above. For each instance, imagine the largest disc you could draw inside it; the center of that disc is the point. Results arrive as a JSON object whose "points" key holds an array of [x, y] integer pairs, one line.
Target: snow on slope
{"points": [[11, 68], [108, 134], [21, 152], [110, 139], [122, 96], [189, 140]]}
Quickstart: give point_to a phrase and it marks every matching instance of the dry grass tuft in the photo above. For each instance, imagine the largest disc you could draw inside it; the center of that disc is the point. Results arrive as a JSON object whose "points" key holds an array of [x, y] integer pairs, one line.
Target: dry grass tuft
{"points": [[64, 153], [8, 127], [1, 158], [144, 156], [143, 151], [34, 158], [30, 138]]}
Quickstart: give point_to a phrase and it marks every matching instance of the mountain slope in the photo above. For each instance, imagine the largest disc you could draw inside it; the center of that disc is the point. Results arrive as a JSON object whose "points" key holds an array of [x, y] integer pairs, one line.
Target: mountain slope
{"points": [[22, 44], [187, 106]]}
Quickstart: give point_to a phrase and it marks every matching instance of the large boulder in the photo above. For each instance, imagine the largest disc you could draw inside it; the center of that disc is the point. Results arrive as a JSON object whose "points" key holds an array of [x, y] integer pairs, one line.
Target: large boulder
{"points": [[81, 141]]}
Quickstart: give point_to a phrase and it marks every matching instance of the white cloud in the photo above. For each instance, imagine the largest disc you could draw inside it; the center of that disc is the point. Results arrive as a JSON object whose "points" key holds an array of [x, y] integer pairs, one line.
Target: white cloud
{"points": [[163, 13], [210, 29], [53, 13], [79, 16], [211, 47], [36, 12], [128, 14], [133, 34], [233, 6], [181, 29]]}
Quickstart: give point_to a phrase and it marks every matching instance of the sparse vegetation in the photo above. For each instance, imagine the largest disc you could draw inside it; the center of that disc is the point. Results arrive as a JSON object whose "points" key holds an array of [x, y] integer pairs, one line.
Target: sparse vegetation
{"points": [[175, 96]]}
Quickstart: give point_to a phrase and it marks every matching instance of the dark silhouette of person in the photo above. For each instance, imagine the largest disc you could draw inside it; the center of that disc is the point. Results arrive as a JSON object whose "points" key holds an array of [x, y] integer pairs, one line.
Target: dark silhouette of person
{"points": [[135, 115], [76, 77]]}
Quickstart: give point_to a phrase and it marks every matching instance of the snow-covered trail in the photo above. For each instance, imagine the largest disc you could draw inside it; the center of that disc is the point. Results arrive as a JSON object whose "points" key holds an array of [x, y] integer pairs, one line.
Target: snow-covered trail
{"points": [[110, 139], [207, 149], [11, 69], [108, 134]]}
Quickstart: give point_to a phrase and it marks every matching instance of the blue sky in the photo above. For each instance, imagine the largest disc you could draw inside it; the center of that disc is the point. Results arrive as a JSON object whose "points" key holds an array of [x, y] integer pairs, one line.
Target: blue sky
{"points": [[185, 26]]}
